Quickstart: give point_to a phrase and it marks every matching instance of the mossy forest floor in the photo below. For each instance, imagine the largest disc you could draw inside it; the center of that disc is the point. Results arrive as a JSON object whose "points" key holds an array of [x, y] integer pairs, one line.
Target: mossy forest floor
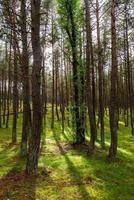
{"points": [[67, 172]]}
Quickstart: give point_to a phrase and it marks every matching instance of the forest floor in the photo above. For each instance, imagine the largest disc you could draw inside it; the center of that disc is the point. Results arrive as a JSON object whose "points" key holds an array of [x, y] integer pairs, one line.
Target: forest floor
{"points": [[67, 172]]}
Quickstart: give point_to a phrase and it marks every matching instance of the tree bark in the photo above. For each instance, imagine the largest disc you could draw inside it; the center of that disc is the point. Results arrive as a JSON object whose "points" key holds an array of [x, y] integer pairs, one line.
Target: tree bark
{"points": [[34, 142], [89, 93], [100, 70], [113, 92], [26, 124]]}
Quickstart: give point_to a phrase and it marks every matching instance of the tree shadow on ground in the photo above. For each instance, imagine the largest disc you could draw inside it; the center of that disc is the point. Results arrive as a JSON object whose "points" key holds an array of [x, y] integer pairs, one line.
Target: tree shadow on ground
{"points": [[6, 147], [76, 176], [16, 184]]}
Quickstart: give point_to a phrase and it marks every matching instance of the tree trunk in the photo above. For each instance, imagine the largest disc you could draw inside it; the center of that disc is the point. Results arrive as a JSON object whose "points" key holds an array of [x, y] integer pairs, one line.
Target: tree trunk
{"points": [[92, 120], [113, 92], [100, 70], [26, 124], [130, 93], [15, 76], [9, 88], [34, 142], [53, 75]]}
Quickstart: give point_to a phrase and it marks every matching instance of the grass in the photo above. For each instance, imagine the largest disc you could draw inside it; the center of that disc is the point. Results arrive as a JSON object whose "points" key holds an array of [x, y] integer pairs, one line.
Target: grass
{"points": [[71, 172]]}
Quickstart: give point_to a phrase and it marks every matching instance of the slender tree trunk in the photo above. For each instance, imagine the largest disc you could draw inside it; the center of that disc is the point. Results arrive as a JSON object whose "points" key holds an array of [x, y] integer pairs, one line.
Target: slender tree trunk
{"points": [[15, 77], [113, 93], [100, 70], [53, 75], [5, 87], [26, 125], [62, 85], [92, 120], [56, 82], [9, 88], [43, 86], [15, 99], [126, 95]]}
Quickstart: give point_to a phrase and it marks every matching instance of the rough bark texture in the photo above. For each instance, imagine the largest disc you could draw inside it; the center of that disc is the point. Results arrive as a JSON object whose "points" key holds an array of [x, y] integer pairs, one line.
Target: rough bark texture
{"points": [[34, 143]]}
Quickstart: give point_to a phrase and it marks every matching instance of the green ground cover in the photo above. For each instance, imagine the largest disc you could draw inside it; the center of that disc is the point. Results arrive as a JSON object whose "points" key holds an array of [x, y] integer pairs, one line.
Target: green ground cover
{"points": [[67, 172]]}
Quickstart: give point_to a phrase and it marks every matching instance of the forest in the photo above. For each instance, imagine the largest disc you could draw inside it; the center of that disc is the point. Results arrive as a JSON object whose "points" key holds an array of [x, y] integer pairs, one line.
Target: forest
{"points": [[66, 99]]}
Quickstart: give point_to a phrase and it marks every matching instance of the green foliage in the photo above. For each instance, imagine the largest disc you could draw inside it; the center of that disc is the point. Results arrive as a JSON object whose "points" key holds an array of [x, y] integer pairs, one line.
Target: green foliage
{"points": [[68, 9]]}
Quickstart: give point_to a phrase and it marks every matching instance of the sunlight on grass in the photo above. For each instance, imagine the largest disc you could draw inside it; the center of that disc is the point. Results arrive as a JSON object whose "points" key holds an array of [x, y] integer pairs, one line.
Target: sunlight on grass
{"points": [[69, 173]]}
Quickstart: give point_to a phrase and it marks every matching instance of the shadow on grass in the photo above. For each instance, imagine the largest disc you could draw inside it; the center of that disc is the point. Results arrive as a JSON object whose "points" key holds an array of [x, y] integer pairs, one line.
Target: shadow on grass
{"points": [[7, 147], [16, 184], [76, 176]]}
